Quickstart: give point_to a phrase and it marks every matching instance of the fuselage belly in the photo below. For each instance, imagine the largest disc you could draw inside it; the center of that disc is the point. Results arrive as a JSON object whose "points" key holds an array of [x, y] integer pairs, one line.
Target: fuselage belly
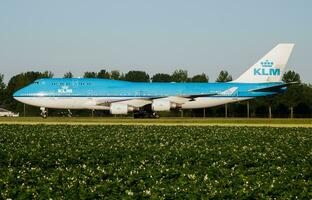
{"points": [[91, 103]]}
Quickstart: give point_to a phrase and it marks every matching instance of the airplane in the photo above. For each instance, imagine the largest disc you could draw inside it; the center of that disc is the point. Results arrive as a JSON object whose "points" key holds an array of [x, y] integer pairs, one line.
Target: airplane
{"points": [[264, 78]]}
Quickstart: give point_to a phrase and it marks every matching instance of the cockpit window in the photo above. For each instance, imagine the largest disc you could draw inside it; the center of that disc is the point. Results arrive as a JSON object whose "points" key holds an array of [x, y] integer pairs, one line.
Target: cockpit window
{"points": [[36, 82]]}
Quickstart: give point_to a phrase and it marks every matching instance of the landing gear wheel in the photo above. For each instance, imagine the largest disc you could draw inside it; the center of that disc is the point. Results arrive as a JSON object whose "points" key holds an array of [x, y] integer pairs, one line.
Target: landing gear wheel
{"points": [[139, 114], [144, 113], [154, 115], [44, 113], [136, 115], [70, 114]]}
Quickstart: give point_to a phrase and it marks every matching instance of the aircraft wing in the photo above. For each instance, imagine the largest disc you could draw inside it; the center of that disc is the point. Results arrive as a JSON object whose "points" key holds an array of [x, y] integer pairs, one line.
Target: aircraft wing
{"points": [[179, 99], [229, 92], [135, 102], [192, 96]]}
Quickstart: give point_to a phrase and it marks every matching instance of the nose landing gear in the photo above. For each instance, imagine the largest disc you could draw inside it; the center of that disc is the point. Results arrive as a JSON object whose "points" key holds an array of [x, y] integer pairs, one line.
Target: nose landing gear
{"points": [[70, 114]]}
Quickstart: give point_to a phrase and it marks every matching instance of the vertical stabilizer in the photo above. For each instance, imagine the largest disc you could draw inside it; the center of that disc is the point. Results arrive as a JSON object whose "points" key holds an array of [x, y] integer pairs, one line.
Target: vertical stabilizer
{"points": [[270, 68]]}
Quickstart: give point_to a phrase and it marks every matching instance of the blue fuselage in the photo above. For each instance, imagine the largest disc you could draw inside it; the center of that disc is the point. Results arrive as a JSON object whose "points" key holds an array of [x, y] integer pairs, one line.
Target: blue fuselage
{"points": [[82, 87], [122, 96]]}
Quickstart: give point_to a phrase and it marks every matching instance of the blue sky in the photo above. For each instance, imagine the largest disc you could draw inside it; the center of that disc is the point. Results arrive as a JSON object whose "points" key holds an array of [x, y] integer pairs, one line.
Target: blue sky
{"points": [[154, 36]]}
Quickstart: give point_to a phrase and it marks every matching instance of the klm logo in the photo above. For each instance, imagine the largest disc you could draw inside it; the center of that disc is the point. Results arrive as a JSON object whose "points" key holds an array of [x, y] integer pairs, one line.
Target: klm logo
{"points": [[267, 69], [65, 90]]}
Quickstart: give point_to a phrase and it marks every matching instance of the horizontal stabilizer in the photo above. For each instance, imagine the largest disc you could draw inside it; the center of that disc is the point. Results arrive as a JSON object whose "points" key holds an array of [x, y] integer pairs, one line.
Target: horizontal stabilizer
{"points": [[273, 88]]}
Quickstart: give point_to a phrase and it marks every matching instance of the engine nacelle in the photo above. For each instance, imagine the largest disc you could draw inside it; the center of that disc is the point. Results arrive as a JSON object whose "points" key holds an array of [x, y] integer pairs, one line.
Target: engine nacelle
{"points": [[119, 109], [162, 105]]}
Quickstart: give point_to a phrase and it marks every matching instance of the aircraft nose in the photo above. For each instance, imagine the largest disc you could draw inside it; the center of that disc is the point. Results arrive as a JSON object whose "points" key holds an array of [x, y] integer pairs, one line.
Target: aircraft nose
{"points": [[17, 93]]}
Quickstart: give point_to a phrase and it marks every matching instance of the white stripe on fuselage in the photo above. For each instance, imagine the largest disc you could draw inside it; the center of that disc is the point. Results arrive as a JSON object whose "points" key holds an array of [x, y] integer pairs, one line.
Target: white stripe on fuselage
{"points": [[92, 102]]}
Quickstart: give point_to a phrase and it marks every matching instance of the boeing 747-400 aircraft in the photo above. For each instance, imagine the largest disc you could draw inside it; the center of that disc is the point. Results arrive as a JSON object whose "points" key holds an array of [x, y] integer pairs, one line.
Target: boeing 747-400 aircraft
{"points": [[146, 99]]}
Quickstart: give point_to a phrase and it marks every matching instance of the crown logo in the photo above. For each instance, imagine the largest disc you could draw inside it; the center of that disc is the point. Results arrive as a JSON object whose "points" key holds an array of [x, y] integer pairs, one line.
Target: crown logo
{"points": [[267, 63]]}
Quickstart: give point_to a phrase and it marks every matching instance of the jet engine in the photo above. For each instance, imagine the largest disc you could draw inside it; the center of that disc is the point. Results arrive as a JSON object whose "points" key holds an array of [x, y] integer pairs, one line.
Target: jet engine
{"points": [[162, 105], [119, 109]]}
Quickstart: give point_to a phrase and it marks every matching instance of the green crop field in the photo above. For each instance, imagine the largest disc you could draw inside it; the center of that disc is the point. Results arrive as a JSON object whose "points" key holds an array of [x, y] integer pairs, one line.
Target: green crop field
{"points": [[158, 162]]}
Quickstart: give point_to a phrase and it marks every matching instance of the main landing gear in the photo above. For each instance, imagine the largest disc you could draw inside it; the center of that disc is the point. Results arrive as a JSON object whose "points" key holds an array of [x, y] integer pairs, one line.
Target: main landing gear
{"points": [[44, 112], [144, 113], [154, 115]]}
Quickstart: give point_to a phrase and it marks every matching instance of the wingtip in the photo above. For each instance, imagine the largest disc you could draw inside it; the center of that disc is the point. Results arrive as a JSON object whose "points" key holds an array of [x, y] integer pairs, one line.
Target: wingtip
{"points": [[286, 44]]}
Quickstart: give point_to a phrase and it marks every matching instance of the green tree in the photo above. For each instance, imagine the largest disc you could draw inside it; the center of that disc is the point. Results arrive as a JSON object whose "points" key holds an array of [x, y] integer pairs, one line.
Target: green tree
{"points": [[269, 102], [200, 78], [2, 89], [122, 76], [115, 74], [224, 76], [304, 106], [103, 74], [90, 75], [292, 96], [179, 76], [68, 75], [291, 76], [160, 77], [46, 74], [2, 85], [137, 76]]}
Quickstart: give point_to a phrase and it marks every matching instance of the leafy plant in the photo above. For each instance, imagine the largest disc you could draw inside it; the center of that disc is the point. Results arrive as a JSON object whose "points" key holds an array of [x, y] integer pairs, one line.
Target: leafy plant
{"points": [[75, 161]]}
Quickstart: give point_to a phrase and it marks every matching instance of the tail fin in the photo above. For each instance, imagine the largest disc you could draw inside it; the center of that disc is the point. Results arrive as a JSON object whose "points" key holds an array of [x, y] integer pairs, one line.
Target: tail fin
{"points": [[270, 68]]}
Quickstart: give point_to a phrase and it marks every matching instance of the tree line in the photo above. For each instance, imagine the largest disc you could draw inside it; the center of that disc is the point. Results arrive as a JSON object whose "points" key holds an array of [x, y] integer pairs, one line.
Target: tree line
{"points": [[295, 102]]}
